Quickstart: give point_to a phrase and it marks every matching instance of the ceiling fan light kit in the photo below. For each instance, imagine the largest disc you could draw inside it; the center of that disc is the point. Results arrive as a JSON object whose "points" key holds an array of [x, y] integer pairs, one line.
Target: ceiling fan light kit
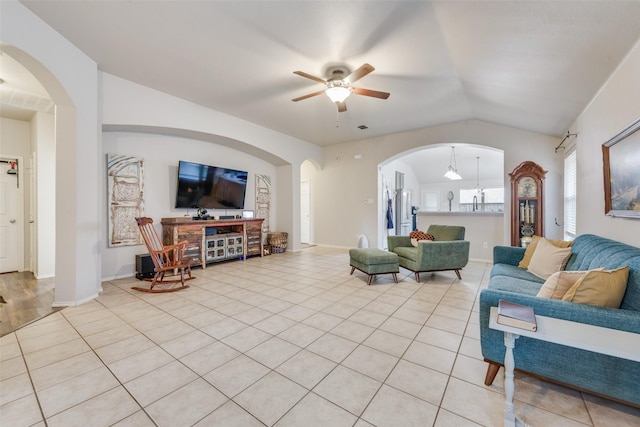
{"points": [[338, 86], [337, 91]]}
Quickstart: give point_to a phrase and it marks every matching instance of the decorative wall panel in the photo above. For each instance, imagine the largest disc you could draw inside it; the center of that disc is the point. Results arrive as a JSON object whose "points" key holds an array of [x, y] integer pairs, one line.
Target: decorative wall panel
{"points": [[125, 177], [263, 200]]}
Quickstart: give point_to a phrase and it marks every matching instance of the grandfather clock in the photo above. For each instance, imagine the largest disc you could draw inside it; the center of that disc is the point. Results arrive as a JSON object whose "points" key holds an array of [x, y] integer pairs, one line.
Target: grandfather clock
{"points": [[527, 203]]}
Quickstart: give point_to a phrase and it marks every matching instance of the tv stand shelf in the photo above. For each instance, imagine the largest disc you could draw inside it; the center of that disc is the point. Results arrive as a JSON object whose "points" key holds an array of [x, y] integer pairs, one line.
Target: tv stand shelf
{"points": [[214, 240]]}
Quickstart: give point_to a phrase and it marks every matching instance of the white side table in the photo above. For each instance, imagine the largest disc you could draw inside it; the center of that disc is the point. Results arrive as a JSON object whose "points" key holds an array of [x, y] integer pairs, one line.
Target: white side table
{"points": [[625, 345]]}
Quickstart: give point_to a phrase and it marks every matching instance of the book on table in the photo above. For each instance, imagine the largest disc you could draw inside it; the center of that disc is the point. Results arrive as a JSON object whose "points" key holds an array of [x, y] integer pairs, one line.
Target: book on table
{"points": [[516, 315]]}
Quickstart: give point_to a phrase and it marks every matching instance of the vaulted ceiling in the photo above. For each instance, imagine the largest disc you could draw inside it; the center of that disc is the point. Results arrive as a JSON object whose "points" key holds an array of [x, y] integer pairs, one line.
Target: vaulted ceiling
{"points": [[532, 65]]}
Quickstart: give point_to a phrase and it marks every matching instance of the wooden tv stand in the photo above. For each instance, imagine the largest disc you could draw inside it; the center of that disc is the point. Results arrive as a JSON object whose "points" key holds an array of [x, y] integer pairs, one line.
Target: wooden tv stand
{"points": [[214, 240]]}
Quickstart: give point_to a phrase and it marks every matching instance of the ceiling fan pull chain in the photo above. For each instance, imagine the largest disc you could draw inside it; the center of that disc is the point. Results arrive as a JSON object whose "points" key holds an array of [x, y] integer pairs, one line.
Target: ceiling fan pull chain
{"points": [[337, 119]]}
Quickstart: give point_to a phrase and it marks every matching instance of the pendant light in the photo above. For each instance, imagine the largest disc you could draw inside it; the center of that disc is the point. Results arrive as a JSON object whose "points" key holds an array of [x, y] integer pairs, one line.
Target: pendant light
{"points": [[452, 172]]}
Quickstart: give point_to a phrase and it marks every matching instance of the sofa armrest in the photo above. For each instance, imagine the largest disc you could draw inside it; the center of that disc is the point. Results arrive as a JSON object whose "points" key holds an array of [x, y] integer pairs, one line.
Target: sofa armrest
{"points": [[511, 255], [398, 241], [612, 318], [442, 255]]}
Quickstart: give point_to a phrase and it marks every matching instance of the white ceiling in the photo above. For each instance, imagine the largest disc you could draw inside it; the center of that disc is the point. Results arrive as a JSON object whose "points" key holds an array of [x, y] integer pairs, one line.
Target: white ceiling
{"points": [[476, 164], [21, 94], [532, 65]]}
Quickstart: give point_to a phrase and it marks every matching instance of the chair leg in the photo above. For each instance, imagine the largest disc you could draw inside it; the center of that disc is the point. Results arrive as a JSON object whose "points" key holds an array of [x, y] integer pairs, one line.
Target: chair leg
{"points": [[352, 270], [492, 371], [395, 277], [417, 277], [370, 279], [458, 274], [156, 277]]}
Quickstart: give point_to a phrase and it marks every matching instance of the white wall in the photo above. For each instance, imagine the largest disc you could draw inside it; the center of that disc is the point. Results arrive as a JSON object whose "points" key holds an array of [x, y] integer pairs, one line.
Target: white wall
{"points": [[44, 146], [340, 214], [129, 106], [160, 177], [615, 107], [480, 228], [71, 79]]}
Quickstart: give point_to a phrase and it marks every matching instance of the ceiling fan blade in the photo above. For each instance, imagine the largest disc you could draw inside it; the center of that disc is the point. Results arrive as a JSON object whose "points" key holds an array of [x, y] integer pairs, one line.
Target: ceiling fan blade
{"points": [[342, 107], [309, 76], [369, 92], [359, 73], [300, 98]]}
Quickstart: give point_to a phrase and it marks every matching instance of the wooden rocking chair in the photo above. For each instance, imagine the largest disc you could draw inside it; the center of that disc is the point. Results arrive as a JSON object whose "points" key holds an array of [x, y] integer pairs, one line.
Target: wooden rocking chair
{"points": [[165, 258]]}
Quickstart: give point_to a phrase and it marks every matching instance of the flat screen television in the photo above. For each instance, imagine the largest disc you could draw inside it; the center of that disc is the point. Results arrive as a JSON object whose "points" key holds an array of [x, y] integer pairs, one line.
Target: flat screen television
{"points": [[210, 187]]}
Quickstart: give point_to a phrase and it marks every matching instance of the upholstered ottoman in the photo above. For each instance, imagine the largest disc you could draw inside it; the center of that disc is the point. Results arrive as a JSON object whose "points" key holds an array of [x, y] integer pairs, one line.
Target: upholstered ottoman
{"points": [[374, 261]]}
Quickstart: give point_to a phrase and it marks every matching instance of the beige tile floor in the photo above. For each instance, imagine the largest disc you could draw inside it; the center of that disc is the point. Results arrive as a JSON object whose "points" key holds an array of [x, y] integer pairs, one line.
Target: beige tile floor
{"points": [[285, 340]]}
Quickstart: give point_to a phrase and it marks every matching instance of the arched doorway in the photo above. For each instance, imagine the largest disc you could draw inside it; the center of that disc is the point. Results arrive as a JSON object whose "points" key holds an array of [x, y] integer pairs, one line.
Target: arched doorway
{"points": [[70, 219], [423, 168]]}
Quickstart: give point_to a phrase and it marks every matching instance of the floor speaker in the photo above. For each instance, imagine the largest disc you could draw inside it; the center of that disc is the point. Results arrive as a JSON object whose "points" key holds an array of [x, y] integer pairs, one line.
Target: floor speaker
{"points": [[144, 267]]}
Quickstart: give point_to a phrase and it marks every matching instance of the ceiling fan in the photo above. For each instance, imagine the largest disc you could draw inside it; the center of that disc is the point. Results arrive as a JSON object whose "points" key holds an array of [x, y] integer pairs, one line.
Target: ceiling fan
{"points": [[338, 86]]}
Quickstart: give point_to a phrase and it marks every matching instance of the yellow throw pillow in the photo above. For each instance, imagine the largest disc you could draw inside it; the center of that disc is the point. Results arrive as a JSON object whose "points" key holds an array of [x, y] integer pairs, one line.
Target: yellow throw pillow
{"points": [[526, 259], [559, 283], [603, 288], [547, 259]]}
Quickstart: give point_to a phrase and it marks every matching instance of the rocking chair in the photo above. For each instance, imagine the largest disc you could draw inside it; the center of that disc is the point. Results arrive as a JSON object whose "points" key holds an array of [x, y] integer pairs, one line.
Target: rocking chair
{"points": [[165, 258]]}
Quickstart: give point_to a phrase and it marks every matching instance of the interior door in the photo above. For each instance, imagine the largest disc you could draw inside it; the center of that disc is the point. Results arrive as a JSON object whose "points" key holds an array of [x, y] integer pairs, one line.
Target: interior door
{"points": [[33, 241], [305, 215], [10, 221]]}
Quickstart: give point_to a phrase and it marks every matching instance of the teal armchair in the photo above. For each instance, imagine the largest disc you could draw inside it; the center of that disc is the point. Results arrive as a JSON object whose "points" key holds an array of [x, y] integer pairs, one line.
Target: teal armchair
{"points": [[448, 251]]}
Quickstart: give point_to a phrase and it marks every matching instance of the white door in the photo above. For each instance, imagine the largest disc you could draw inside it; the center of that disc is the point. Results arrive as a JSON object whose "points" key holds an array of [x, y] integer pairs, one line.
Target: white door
{"points": [[10, 221], [305, 220], [32, 215]]}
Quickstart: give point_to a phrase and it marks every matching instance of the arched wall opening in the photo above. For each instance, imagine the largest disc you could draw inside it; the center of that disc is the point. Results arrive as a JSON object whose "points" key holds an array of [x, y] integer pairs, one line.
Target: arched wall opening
{"points": [[63, 170], [71, 79], [421, 171], [160, 151]]}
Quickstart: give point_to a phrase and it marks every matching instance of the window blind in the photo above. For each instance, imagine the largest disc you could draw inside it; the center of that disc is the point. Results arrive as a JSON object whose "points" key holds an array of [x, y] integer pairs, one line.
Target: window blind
{"points": [[570, 191]]}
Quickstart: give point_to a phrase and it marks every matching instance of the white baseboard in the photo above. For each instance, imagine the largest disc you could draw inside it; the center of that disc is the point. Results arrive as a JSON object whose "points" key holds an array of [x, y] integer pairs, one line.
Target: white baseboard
{"points": [[74, 303]]}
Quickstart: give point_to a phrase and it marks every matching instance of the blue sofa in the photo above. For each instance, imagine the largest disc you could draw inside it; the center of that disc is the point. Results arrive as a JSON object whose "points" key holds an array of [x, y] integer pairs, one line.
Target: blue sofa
{"points": [[607, 376]]}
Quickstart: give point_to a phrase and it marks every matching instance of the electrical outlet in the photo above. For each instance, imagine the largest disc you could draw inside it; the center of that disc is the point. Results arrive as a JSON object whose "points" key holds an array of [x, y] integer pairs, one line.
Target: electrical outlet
{"points": [[485, 245]]}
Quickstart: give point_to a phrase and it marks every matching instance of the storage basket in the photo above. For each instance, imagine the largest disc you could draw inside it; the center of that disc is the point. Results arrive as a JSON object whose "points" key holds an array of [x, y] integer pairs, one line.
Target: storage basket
{"points": [[277, 241]]}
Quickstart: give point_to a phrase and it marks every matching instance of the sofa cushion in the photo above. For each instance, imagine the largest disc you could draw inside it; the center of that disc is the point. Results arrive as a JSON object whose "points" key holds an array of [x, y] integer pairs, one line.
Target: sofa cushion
{"points": [[528, 253], [409, 253], [557, 285], [516, 285], [547, 259], [513, 271], [446, 232], [603, 288], [373, 256], [591, 251]]}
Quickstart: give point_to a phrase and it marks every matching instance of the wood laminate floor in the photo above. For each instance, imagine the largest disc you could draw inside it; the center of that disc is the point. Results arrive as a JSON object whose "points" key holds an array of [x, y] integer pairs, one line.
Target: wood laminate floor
{"points": [[27, 299]]}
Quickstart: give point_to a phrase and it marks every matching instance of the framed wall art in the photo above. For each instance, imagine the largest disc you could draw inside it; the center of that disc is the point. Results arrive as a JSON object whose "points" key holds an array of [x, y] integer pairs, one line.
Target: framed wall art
{"points": [[621, 161]]}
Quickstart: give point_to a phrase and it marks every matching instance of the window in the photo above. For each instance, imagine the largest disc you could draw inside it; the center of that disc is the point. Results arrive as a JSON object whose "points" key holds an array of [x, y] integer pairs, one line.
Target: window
{"points": [[493, 200], [570, 191], [430, 200]]}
